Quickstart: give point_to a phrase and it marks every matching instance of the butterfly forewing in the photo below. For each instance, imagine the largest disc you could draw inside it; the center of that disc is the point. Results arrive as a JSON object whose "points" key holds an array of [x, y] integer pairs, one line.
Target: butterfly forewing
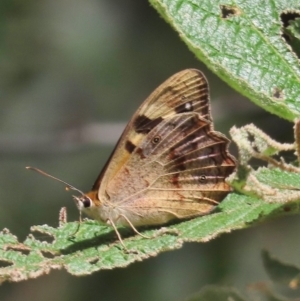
{"points": [[186, 91]]}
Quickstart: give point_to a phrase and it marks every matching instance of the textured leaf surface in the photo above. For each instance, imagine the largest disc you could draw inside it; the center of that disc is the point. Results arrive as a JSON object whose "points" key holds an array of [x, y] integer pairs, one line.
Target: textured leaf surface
{"points": [[242, 42], [95, 247]]}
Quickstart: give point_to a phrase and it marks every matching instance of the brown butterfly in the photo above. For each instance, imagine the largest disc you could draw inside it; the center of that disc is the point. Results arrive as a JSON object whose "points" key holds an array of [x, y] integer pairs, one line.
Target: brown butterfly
{"points": [[168, 164]]}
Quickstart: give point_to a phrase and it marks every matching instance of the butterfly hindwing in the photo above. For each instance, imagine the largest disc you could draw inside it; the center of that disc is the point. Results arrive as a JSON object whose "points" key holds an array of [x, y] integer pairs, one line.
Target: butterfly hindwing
{"points": [[178, 170]]}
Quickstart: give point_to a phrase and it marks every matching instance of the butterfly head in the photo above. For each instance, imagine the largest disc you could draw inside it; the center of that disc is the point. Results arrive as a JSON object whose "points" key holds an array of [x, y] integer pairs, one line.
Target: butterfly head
{"points": [[86, 202], [82, 202]]}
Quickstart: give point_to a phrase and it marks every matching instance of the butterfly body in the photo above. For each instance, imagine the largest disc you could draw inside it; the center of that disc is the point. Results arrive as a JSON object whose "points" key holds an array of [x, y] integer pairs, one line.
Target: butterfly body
{"points": [[169, 162]]}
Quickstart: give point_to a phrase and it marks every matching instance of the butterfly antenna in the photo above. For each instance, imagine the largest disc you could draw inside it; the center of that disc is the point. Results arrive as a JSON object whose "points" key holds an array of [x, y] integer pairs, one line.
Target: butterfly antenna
{"points": [[68, 186]]}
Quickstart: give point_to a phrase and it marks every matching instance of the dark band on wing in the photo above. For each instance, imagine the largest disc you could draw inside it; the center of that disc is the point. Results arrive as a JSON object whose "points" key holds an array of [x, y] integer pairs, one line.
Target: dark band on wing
{"points": [[129, 146], [143, 124]]}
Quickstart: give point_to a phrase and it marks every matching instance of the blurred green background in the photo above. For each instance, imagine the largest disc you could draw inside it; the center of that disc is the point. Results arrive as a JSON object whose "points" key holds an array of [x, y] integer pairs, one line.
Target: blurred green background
{"points": [[72, 73]]}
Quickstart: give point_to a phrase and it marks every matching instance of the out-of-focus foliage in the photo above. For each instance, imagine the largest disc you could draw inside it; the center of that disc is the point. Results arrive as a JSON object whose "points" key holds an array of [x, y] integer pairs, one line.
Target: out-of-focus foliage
{"points": [[65, 69]]}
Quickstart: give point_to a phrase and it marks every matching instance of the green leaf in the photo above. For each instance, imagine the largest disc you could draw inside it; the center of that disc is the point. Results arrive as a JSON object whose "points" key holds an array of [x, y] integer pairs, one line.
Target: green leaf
{"points": [[242, 43], [270, 184], [95, 247]]}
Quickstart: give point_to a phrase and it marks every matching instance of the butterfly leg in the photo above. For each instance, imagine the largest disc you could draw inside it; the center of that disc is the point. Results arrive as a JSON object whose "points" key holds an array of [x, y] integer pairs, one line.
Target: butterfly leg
{"points": [[111, 223], [78, 227], [133, 227]]}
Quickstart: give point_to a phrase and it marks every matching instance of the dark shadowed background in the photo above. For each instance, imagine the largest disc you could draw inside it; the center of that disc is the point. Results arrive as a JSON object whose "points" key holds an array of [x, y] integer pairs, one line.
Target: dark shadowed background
{"points": [[72, 73]]}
